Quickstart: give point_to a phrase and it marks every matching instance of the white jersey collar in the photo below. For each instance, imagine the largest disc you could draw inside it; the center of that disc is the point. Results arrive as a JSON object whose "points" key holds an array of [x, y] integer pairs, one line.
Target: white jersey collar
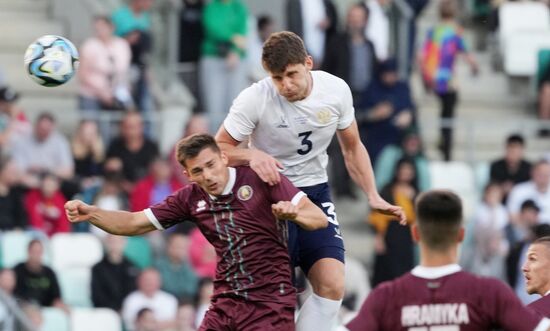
{"points": [[435, 272]]}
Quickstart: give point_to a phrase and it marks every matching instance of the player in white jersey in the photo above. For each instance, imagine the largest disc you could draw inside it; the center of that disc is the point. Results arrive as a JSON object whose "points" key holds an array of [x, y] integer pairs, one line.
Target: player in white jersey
{"points": [[289, 119]]}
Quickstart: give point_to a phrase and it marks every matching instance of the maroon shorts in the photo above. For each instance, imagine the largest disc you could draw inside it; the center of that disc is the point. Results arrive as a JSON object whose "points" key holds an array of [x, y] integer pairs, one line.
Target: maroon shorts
{"points": [[233, 314]]}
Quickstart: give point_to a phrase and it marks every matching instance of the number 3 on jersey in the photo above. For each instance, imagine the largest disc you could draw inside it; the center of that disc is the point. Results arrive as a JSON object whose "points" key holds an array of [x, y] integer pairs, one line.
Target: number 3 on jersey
{"points": [[307, 145]]}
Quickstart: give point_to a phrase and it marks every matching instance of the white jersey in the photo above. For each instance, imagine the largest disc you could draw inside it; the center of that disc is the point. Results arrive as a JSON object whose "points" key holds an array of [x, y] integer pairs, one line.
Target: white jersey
{"points": [[295, 133]]}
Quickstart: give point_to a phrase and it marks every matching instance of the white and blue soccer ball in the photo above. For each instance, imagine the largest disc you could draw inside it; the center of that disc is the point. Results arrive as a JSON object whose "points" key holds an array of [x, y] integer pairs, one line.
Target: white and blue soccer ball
{"points": [[51, 60]]}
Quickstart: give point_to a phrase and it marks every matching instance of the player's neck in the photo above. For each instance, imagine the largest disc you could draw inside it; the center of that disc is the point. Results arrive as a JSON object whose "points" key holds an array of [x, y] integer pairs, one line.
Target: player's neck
{"points": [[431, 258]]}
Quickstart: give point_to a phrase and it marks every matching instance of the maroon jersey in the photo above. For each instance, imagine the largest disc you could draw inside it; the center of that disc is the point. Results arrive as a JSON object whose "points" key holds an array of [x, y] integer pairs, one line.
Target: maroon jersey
{"points": [[250, 243], [443, 299], [541, 306]]}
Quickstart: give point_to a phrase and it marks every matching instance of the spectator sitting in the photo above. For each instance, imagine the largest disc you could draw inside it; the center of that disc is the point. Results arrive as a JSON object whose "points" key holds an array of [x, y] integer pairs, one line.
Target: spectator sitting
{"points": [[512, 169], [45, 150], [45, 206], [393, 243], [114, 277], [411, 147], [378, 29], [202, 302], [149, 295], [88, 152], [7, 286], [178, 277], [13, 215], [265, 27], [386, 110], [134, 149], [13, 122], [186, 317], [145, 320], [529, 216], [202, 255], [537, 189], [155, 187], [104, 71], [36, 282]]}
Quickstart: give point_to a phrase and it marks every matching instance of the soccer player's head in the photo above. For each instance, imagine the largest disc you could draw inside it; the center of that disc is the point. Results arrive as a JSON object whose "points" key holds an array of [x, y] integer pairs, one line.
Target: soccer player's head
{"points": [[536, 267], [203, 162], [285, 58], [438, 220]]}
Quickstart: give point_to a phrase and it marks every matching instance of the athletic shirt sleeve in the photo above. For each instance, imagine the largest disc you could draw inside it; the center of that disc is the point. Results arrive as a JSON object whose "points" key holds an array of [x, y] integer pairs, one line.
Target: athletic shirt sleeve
{"points": [[173, 210], [243, 115], [348, 112], [285, 191], [370, 312]]}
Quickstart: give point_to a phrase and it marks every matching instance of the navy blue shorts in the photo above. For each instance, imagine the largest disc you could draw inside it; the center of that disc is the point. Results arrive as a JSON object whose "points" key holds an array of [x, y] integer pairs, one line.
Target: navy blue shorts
{"points": [[307, 247]]}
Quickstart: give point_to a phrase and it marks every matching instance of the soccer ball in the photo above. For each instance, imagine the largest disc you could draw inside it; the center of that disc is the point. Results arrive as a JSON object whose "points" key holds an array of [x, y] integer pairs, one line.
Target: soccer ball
{"points": [[51, 60]]}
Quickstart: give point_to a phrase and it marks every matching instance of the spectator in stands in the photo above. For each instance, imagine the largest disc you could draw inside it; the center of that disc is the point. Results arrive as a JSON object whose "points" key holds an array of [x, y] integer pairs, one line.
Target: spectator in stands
{"points": [[417, 7], [196, 124], [520, 229], [516, 260], [512, 168], [149, 295], [45, 206], [133, 148], [265, 26], [34, 314], [411, 147], [36, 282], [535, 270], [186, 317], [13, 215], [204, 294], [222, 68], [104, 71], [88, 153], [544, 102], [45, 150], [443, 44], [156, 186], [378, 27], [7, 286], [114, 277], [178, 277], [537, 189], [393, 243], [202, 255], [315, 22], [133, 23], [13, 122], [489, 248], [145, 320], [386, 110]]}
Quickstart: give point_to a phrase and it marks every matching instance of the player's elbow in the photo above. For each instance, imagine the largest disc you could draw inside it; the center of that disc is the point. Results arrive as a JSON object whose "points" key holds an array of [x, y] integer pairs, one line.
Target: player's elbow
{"points": [[316, 223]]}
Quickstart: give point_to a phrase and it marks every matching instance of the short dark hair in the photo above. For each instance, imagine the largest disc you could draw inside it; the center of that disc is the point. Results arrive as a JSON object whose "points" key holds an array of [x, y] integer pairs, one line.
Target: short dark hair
{"points": [[191, 146], [543, 240], [439, 218], [45, 115], [447, 9], [515, 139], [282, 49], [263, 21], [142, 312], [529, 204]]}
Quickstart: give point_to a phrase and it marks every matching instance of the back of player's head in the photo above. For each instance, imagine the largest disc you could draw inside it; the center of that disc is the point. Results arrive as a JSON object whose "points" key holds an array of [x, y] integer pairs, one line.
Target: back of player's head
{"points": [[439, 218], [190, 147], [282, 49]]}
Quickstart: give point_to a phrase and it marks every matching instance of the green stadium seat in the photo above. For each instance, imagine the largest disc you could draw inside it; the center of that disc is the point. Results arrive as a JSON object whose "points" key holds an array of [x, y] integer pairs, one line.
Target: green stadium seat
{"points": [[54, 319], [138, 250], [543, 63]]}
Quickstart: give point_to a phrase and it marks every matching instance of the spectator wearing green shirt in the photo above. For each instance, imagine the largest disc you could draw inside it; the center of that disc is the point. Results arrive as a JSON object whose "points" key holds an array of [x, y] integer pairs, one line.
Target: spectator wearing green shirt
{"points": [[222, 66]]}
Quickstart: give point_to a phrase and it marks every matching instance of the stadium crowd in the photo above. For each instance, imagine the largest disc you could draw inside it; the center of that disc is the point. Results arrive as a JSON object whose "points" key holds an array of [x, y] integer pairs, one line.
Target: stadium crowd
{"points": [[167, 285]]}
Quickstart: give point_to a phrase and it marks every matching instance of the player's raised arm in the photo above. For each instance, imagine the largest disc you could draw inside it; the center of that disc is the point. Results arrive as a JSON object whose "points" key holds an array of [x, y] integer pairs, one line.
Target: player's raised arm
{"points": [[304, 213], [115, 222], [266, 166], [360, 168]]}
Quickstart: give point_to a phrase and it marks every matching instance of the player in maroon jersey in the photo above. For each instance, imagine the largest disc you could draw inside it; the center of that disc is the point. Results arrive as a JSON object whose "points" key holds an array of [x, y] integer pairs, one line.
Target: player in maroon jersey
{"points": [[536, 270], [437, 295], [236, 211]]}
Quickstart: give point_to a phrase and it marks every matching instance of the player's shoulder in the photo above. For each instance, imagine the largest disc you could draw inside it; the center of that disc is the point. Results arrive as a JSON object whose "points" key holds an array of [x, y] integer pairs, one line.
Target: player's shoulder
{"points": [[328, 79], [246, 174], [262, 89]]}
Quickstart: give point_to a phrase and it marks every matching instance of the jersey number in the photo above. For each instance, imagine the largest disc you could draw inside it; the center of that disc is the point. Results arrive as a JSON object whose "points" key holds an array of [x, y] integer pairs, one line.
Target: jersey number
{"points": [[306, 143], [331, 213]]}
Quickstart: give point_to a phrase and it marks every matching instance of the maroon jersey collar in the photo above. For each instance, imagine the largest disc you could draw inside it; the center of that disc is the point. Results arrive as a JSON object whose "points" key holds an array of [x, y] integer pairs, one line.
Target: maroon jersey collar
{"points": [[435, 272]]}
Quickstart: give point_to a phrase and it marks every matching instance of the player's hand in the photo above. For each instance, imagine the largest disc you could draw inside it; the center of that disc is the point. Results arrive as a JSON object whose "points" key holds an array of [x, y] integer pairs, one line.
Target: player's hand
{"points": [[78, 211], [381, 206], [266, 166], [285, 210]]}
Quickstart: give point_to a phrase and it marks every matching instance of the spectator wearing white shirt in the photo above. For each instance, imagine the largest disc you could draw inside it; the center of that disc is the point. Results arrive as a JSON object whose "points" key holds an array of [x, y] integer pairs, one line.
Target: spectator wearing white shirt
{"points": [[537, 189], [378, 27], [149, 295]]}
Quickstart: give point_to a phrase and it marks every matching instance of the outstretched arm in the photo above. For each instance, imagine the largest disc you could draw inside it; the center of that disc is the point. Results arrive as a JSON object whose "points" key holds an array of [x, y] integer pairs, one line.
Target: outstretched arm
{"points": [[360, 169], [116, 222], [266, 166], [305, 213]]}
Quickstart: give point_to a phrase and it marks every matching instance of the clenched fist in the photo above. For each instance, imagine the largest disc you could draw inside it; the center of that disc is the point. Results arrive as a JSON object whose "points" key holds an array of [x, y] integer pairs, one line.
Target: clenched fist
{"points": [[285, 210], [78, 211]]}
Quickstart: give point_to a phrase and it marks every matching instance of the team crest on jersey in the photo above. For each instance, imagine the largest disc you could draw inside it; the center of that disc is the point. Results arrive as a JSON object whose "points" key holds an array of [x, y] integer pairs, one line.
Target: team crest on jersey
{"points": [[201, 205], [245, 192], [323, 116]]}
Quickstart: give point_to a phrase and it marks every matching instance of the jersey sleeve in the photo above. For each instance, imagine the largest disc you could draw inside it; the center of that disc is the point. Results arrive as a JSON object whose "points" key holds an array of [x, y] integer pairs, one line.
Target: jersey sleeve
{"points": [[508, 312], [173, 210], [243, 115], [347, 112], [367, 317], [285, 191]]}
